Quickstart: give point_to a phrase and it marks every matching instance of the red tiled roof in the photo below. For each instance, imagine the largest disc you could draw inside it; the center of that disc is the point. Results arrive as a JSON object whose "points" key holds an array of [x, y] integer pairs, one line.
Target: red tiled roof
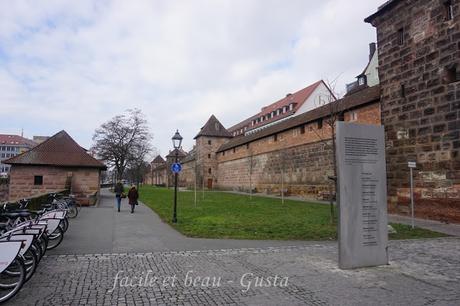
{"points": [[59, 150], [16, 140], [363, 97], [298, 98]]}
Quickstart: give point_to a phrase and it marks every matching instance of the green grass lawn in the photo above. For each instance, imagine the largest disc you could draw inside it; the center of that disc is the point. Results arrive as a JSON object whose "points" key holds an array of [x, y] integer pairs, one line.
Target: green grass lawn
{"points": [[226, 215]]}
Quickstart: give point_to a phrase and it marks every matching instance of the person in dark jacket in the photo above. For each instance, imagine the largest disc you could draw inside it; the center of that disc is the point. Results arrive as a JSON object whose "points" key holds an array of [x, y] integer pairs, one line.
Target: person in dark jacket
{"points": [[118, 192], [133, 195]]}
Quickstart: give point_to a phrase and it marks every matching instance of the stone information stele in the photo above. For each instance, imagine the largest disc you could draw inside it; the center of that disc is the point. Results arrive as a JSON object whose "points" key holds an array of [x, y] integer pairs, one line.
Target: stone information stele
{"points": [[362, 195]]}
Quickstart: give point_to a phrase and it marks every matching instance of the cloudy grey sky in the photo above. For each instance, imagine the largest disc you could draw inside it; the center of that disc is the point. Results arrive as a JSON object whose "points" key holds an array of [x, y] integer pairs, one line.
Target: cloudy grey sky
{"points": [[74, 64]]}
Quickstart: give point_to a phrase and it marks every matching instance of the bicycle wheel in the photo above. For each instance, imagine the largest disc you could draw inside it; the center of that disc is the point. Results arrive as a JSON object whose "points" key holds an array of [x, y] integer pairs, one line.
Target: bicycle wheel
{"points": [[44, 243], [11, 284], [64, 224], [55, 238], [72, 211]]}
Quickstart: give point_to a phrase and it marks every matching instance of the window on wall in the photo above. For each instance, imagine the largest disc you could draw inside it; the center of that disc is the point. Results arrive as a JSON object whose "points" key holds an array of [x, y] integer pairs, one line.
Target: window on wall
{"points": [[403, 91], [302, 129], [449, 9], [209, 155], [209, 142], [341, 117], [452, 73], [209, 170], [400, 36], [320, 123], [234, 150], [38, 180], [247, 146], [275, 137], [354, 116]]}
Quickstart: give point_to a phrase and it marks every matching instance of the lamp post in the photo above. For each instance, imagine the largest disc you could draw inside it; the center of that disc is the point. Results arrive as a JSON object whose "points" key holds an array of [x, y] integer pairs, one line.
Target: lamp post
{"points": [[177, 140]]}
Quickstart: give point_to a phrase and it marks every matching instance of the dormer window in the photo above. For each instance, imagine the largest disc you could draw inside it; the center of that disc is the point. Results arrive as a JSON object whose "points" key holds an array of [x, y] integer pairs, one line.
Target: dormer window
{"points": [[361, 80], [291, 106], [278, 111]]}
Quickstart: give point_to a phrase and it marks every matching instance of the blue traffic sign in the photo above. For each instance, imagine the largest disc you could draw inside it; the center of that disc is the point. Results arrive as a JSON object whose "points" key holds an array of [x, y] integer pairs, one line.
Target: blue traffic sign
{"points": [[176, 167]]}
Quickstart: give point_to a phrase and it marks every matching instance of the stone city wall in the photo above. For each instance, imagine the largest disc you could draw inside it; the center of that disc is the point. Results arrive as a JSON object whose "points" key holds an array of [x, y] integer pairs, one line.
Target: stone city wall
{"points": [[418, 46], [300, 158]]}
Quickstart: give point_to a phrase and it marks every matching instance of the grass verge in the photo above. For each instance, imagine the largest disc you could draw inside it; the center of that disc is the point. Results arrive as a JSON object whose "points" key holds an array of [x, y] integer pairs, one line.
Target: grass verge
{"points": [[227, 215]]}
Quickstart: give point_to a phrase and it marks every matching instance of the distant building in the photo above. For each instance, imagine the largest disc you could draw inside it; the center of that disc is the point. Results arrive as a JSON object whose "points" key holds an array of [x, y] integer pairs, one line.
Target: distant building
{"points": [[293, 104], [56, 164], [40, 139], [370, 76], [10, 146]]}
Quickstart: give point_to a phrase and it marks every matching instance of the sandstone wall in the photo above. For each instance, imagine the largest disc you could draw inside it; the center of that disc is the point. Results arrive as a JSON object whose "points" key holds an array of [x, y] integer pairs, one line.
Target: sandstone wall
{"points": [[421, 105], [301, 156], [301, 170], [81, 182]]}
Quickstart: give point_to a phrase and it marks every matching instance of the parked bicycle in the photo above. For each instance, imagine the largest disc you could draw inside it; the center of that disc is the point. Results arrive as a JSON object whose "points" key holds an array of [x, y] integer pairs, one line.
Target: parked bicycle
{"points": [[25, 236]]}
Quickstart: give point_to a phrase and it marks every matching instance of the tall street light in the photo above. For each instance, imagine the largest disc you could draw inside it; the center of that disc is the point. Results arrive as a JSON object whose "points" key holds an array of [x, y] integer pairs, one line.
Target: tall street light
{"points": [[177, 140]]}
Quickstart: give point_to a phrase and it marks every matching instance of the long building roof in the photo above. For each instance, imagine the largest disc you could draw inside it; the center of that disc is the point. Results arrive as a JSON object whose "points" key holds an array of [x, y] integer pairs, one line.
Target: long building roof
{"points": [[365, 96], [16, 140], [297, 99]]}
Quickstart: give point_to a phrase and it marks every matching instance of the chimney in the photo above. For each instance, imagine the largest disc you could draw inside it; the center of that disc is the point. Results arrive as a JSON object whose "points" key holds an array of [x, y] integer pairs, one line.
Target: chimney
{"points": [[372, 48], [288, 95]]}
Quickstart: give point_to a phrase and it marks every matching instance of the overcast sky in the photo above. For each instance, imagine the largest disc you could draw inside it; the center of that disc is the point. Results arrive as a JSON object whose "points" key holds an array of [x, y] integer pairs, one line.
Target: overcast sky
{"points": [[73, 65]]}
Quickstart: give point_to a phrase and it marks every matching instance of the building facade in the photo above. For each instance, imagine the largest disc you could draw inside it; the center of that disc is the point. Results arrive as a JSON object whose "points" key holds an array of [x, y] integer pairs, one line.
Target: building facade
{"points": [[419, 70], [10, 146], [56, 164]]}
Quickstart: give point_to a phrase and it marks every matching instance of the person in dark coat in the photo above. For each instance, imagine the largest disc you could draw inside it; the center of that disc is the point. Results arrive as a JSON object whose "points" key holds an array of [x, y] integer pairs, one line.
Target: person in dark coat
{"points": [[133, 195], [118, 192]]}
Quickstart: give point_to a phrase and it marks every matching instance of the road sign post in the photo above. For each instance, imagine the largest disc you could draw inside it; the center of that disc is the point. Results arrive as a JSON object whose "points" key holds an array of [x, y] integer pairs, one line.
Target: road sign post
{"points": [[411, 166]]}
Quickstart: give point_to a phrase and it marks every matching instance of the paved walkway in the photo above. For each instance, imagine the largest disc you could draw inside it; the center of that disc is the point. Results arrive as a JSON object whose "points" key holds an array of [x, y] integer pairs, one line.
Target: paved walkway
{"points": [[136, 259], [102, 229], [421, 272], [449, 229]]}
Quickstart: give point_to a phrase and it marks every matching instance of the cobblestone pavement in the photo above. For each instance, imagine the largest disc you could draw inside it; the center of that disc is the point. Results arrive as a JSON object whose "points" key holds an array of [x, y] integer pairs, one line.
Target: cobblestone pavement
{"points": [[421, 272]]}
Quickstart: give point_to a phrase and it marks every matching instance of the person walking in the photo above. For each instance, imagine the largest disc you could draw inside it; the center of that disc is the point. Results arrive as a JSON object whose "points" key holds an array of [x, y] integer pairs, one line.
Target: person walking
{"points": [[118, 193], [133, 195]]}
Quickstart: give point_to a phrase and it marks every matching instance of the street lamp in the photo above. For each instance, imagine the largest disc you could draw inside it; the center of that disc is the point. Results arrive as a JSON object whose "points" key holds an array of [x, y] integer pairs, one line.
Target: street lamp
{"points": [[177, 140]]}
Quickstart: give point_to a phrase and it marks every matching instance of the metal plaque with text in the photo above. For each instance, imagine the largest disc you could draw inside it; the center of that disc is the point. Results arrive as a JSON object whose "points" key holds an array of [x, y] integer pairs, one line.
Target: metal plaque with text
{"points": [[362, 195]]}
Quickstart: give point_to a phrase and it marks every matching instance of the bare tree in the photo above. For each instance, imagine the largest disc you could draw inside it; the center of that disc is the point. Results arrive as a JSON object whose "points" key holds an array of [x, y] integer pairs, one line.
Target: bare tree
{"points": [[122, 140], [334, 114], [137, 161]]}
